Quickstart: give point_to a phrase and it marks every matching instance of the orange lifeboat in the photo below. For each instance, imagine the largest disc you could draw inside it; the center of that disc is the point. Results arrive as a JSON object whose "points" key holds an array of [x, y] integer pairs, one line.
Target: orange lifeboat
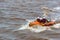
{"points": [[42, 22]]}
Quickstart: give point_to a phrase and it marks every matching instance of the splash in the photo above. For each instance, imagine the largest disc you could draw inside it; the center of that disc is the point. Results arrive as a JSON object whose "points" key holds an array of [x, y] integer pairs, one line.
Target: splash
{"points": [[56, 8], [35, 28], [38, 28]]}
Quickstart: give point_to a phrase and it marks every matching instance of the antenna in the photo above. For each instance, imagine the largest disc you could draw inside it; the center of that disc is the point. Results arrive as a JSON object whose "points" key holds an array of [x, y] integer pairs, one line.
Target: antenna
{"points": [[47, 10]]}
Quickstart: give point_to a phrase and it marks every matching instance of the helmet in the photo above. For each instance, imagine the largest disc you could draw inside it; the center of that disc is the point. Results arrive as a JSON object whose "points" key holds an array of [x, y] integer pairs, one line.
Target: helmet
{"points": [[43, 20]]}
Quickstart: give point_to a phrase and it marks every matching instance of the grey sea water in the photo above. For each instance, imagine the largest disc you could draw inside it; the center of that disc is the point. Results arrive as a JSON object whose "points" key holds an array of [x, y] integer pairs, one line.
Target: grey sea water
{"points": [[13, 14]]}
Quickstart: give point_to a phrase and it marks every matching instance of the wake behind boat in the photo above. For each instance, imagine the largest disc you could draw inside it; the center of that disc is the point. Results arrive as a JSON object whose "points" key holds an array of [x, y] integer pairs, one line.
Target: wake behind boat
{"points": [[37, 27]]}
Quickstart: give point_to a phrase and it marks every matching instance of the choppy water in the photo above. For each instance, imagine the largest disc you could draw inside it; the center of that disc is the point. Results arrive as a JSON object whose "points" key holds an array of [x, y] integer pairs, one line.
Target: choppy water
{"points": [[13, 14]]}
